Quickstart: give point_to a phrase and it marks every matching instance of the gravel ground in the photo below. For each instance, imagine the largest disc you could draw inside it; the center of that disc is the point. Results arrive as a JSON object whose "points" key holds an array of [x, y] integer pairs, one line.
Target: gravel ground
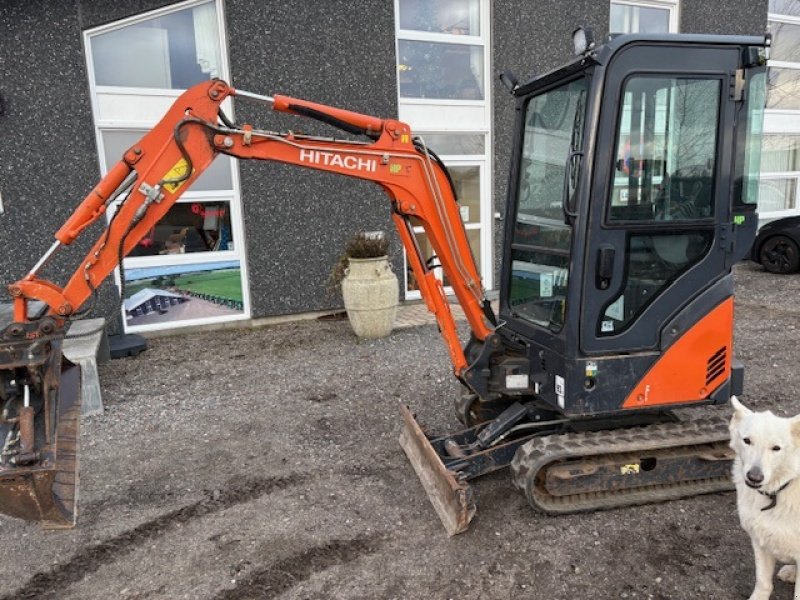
{"points": [[265, 464]]}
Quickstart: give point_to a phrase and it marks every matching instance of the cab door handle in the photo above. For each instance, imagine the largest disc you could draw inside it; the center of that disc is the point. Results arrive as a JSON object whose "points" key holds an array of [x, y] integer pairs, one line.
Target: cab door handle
{"points": [[605, 266]]}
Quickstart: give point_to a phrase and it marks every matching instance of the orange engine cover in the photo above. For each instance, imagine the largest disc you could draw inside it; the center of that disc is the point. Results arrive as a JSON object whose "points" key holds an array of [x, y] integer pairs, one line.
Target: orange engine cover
{"points": [[693, 367]]}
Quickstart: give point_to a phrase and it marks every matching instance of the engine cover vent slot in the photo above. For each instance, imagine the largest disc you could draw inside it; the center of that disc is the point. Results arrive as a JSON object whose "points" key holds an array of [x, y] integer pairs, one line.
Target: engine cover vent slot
{"points": [[716, 364]]}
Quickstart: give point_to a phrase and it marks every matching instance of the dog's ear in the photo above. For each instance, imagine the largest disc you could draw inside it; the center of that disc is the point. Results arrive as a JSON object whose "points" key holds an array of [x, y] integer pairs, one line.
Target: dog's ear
{"points": [[739, 407], [739, 410], [795, 425]]}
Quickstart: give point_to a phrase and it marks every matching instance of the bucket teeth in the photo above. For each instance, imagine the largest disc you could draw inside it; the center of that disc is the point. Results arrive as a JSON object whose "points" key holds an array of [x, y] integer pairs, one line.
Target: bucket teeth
{"points": [[450, 496]]}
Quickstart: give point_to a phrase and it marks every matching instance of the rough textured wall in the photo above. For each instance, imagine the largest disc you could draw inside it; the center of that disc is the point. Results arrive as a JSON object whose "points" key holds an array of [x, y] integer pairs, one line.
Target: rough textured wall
{"points": [[530, 38], [342, 53], [48, 160], [742, 17]]}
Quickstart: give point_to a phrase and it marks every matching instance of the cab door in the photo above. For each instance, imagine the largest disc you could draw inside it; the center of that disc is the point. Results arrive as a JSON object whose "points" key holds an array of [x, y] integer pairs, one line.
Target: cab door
{"points": [[658, 211]]}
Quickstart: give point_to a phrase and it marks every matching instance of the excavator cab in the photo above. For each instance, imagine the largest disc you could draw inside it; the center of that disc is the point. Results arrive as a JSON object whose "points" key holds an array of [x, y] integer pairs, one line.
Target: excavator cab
{"points": [[632, 194]]}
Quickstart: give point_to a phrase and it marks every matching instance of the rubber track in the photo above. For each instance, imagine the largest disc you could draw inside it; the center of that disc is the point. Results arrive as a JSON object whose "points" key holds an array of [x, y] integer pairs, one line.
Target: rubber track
{"points": [[532, 459]]}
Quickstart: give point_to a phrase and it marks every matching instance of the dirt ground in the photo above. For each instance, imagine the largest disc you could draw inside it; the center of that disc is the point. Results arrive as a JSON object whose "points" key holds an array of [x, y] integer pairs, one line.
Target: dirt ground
{"points": [[265, 464]]}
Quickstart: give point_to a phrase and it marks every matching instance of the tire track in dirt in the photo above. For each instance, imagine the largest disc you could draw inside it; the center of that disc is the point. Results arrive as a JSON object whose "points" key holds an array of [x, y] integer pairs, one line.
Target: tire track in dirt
{"points": [[51, 584], [275, 579]]}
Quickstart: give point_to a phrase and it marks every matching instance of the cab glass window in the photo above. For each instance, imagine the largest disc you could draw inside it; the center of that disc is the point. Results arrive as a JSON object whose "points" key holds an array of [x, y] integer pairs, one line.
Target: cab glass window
{"points": [[540, 250], [666, 150]]}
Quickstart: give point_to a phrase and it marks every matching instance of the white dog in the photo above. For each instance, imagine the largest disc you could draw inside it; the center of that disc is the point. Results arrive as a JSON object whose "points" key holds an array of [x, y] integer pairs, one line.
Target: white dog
{"points": [[766, 472]]}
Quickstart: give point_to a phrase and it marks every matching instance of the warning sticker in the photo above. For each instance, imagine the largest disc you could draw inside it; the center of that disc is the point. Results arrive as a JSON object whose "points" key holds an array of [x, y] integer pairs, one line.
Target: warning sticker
{"points": [[176, 172]]}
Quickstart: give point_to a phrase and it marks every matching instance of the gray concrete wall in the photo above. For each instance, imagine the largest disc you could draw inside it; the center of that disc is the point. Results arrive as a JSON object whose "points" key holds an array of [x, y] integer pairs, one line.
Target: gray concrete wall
{"points": [[297, 220], [742, 17]]}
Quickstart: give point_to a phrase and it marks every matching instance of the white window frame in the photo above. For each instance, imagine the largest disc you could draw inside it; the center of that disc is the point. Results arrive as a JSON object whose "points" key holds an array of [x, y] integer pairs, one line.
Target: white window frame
{"points": [[782, 121], [159, 100], [442, 116], [673, 6]]}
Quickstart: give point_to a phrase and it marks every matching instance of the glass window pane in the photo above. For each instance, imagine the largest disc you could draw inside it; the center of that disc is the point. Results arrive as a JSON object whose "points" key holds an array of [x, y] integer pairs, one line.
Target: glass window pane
{"points": [[666, 150], [156, 295], [541, 243], [474, 238], [442, 71], [620, 21], [189, 227], [777, 194], [783, 88], [174, 51], [217, 176], [785, 7], [653, 20], [626, 18], [455, 143], [467, 181], [780, 153], [785, 41], [455, 17], [652, 262]]}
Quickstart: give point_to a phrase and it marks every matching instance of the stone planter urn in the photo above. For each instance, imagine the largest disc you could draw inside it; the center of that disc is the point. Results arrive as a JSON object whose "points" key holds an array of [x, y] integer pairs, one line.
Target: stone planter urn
{"points": [[370, 292]]}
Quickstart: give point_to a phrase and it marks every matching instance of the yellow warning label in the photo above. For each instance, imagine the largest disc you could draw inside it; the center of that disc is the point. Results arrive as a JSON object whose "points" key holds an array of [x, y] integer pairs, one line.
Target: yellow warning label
{"points": [[394, 168], [404, 138], [177, 172], [629, 469]]}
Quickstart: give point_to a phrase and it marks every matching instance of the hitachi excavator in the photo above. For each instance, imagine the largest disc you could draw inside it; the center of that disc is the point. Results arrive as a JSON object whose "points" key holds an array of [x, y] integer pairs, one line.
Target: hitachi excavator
{"points": [[632, 193]]}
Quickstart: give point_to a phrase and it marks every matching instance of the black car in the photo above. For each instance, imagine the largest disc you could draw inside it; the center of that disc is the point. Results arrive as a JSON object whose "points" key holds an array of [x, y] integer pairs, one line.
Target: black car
{"points": [[777, 246]]}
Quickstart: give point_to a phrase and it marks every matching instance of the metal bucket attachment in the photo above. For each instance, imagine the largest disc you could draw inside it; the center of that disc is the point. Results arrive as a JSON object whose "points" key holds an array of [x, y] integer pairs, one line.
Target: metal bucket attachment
{"points": [[449, 495], [41, 483]]}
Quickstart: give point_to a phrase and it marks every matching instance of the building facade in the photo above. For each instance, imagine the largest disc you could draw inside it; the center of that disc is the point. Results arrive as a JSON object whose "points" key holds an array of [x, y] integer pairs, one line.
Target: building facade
{"points": [[253, 239]]}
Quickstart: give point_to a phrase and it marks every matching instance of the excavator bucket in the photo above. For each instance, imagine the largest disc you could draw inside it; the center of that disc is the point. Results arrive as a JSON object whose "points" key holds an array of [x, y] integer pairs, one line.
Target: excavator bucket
{"points": [[39, 430], [449, 494]]}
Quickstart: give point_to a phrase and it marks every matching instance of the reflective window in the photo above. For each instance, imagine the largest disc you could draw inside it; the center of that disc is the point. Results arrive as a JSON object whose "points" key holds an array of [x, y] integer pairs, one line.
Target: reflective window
{"points": [[666, 150], [173, 51], [216, 177], [626, 18], [785, 7], [467, 182], [780, 153], [440, 71], [785, 41], [454, 17], [189, 227], [653, 261], [777, 194], [783, 88], [455, 143], [474, 238], [541, 243]]}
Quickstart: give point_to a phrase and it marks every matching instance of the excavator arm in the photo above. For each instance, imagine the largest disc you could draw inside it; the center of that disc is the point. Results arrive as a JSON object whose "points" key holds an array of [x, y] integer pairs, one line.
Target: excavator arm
{"points": [[169, 159], [39, 392]]}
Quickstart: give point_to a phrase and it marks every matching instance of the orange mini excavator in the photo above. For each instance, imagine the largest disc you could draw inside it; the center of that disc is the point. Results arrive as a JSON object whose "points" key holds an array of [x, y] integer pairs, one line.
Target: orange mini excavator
{"points": [[631, 194]]}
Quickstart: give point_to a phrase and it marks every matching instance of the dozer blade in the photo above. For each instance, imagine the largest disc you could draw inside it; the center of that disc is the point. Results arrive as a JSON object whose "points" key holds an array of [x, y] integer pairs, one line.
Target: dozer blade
{"points": [[46, 490], [450, 496]]}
